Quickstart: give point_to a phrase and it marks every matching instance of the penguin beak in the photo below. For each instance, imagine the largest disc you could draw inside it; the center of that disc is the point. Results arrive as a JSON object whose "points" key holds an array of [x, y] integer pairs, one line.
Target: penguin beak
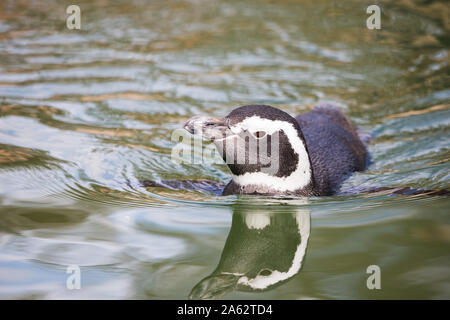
{"points": [[208, 127], [214, 287]]}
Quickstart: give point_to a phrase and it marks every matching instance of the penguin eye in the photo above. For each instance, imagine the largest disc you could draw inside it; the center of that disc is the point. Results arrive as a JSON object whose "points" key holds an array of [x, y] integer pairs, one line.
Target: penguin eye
{"points": [[265, 272], [259, 134]]}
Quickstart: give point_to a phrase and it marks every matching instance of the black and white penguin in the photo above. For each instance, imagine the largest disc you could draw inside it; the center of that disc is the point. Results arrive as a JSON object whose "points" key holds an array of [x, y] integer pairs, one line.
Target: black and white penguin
{"points": [[315, 152]]}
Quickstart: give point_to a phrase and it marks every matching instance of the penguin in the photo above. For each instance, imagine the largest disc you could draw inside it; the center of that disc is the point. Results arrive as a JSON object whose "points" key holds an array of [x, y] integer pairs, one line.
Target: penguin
{"points": [[263, 250], [309, 155]]}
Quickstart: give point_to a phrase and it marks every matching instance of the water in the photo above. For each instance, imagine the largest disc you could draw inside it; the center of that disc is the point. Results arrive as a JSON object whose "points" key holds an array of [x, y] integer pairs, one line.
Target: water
{"points": [[85, 114]]}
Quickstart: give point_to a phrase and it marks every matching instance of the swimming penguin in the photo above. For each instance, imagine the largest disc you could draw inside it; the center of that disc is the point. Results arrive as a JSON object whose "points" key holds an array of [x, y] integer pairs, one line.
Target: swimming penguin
{"points": [[263, 250], [313, 153]]}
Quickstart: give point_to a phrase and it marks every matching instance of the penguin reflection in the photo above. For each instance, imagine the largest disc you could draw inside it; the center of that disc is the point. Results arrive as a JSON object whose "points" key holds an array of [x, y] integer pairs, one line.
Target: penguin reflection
{"points": [[262, 251]]}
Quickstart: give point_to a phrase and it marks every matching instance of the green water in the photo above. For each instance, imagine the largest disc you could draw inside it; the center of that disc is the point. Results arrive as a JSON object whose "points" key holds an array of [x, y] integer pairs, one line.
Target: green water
{"points": [[85, 114]]}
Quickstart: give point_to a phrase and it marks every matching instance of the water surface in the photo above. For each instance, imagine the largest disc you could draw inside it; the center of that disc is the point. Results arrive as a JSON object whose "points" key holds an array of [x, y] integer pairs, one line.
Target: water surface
{"points": [[86, 114]]}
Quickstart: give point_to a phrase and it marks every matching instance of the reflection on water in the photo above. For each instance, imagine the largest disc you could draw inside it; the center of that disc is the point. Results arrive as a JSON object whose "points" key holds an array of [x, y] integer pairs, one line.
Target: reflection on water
{"points": [[86, 115], [262, 250]]}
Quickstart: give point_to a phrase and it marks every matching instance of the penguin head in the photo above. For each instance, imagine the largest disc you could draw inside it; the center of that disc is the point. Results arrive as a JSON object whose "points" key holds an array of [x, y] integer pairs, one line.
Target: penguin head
{"points": [[263, 146]]}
